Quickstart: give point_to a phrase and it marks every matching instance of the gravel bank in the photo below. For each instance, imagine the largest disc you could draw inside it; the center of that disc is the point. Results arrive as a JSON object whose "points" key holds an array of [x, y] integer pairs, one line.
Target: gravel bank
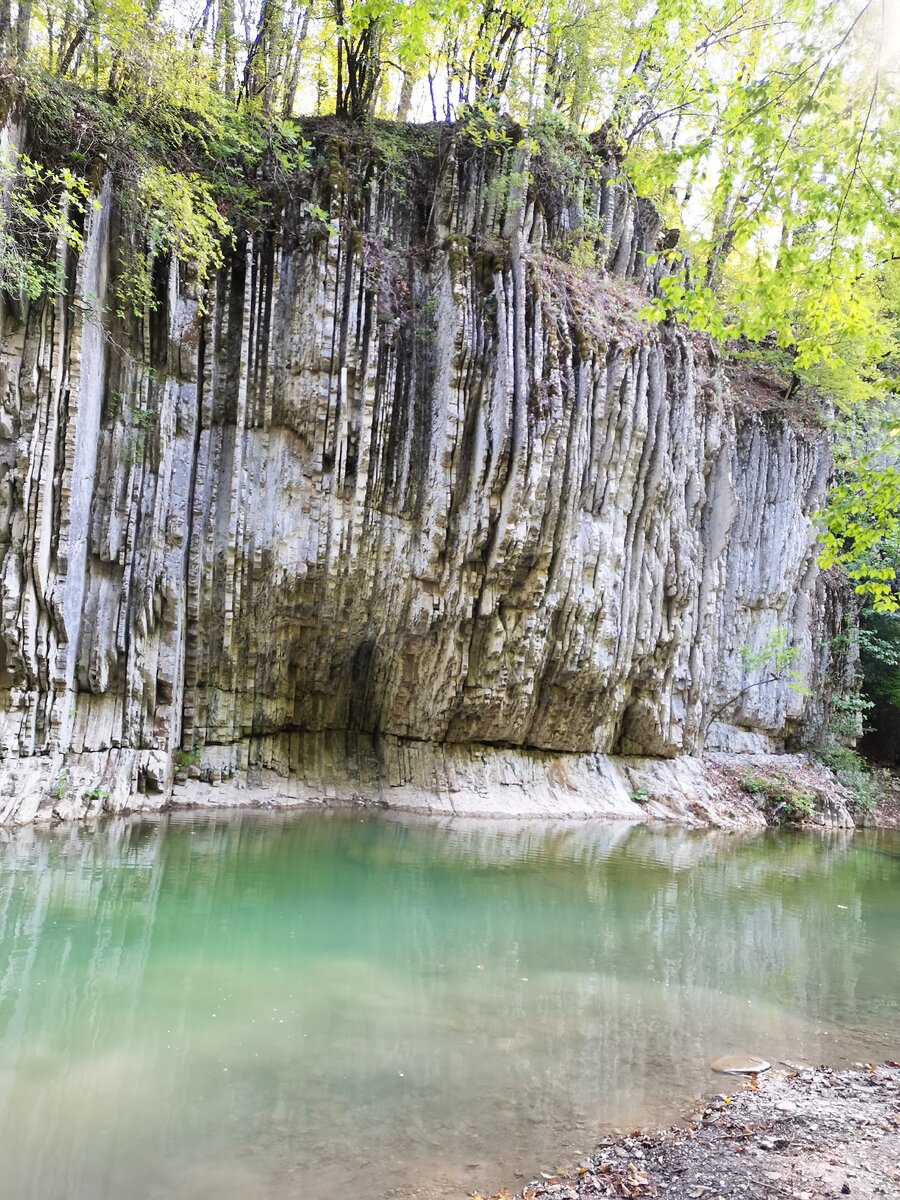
{"points": [[801, 1135]]}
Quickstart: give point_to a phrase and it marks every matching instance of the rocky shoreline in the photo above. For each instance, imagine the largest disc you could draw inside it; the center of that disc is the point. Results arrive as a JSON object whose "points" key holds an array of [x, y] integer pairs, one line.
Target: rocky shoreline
{"points": [[798, 1134], [715, 790]]}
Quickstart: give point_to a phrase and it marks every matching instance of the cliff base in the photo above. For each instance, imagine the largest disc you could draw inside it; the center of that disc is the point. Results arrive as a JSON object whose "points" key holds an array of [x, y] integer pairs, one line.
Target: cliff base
{"points": [[728, 791]]}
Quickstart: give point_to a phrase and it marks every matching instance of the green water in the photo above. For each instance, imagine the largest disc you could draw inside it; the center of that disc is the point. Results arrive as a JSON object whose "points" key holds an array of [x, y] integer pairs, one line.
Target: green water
{"points": [[250, 1006]]}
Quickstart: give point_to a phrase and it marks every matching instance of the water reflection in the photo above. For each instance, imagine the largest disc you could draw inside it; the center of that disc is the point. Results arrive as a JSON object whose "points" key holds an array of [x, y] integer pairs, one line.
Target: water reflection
{"points": [[231, 1006]]}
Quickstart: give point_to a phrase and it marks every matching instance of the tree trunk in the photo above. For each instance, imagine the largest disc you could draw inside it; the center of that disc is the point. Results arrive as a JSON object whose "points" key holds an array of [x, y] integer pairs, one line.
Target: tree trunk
{"points": [[359, 70], [23, 28], [224, 45], [405, 100], [293, 75]]}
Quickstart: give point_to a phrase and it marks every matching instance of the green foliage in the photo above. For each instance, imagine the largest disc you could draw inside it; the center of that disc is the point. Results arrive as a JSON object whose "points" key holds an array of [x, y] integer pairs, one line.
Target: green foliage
{"points": [[774, 661], [861, 526], [879, 658], [188, 758], [879, 649], [319, 214], [860, 529], [767, 122], [777, 657], [873, 637], [753, 785], [503, 189], [190, 167], [847, 715], [851, 769], [174, 213], [41, 214], [482, 126], [394, 147], [785, 804]]}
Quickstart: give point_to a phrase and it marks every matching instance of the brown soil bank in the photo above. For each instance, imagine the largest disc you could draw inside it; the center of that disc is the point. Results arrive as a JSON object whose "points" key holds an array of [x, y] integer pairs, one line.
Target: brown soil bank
{"points": [[803, 1135]]}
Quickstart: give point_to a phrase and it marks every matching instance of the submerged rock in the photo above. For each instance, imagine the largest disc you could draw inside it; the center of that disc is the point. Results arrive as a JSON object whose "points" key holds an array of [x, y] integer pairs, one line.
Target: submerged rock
{"points": [[741, 1064]]}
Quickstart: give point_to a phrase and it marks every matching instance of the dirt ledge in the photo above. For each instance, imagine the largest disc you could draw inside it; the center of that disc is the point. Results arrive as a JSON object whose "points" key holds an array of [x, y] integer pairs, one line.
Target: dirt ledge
{"points": [[803, 1135]]}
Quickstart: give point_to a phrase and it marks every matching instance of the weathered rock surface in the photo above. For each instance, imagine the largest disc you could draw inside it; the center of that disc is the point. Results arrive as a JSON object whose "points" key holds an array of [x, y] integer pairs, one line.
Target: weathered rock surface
{"points": [[412, 508]]}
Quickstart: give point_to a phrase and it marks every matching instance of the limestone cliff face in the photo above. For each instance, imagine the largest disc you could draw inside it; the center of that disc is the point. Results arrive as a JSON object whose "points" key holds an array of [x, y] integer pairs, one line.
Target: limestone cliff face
{"points": [[413, 502]]}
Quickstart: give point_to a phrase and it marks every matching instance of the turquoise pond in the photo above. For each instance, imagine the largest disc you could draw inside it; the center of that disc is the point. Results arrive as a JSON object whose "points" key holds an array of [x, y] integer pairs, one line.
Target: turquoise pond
{"points": [[252, 1006]]}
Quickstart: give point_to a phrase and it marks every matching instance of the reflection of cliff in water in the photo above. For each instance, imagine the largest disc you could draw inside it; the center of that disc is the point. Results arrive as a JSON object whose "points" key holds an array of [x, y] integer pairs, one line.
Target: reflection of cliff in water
{"points": [[288, 993]]}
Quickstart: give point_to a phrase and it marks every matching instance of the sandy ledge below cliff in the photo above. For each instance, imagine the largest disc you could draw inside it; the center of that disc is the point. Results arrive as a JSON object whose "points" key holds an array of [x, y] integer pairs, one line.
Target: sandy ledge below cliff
{"points": [[802, 1135], [498, 782]]}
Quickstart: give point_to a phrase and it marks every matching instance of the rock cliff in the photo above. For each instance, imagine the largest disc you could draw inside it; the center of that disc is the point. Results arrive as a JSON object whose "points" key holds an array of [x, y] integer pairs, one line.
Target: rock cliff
{"points": [[409, 504]]}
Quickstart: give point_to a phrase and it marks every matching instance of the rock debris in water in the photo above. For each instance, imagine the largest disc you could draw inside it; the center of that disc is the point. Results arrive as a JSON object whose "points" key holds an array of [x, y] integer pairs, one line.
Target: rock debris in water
{"points": [[740, 1064]]}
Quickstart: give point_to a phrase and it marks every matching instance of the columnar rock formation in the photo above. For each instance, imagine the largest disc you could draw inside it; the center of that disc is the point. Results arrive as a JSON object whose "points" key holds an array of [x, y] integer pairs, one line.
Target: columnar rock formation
{"points": [[415, 500]]}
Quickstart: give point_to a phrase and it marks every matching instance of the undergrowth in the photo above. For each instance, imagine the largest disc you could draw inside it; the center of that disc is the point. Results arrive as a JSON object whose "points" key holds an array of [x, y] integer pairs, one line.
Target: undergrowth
{"points": [[783, 803], [852, 771], [187, 175]]}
